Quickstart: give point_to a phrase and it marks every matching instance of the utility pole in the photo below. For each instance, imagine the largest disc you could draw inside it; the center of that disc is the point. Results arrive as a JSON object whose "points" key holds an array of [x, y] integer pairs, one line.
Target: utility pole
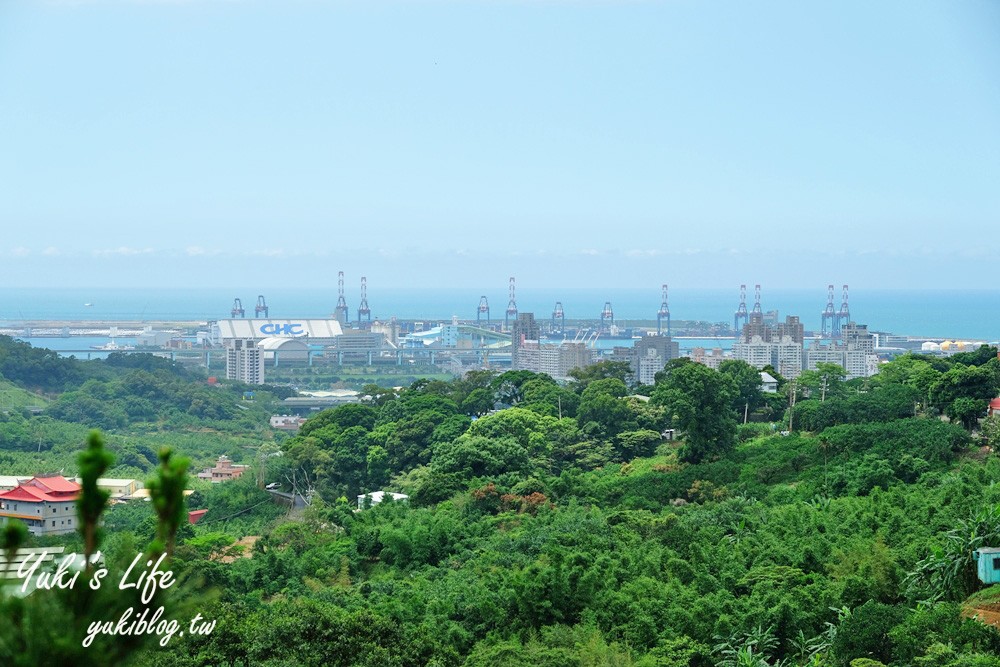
{"points": [[823, 390], [746, 411]]}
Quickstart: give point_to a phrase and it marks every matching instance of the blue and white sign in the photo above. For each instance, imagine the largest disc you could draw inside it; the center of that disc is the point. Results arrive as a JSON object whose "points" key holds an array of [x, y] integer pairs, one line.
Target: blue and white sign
{"points": [[276, 329], [299, 327]]}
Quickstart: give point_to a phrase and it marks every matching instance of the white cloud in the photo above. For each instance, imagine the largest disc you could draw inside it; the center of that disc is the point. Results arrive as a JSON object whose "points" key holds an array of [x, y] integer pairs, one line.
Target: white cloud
{"points": [[20, 251], [269, 252], [52, 251], [652, 252], [123, 251]]}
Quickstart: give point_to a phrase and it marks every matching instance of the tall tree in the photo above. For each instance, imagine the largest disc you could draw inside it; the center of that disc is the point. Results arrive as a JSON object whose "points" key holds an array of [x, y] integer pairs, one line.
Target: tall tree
{"points": [[749, 395], [827, 381], [698, 401], [601, 371]]}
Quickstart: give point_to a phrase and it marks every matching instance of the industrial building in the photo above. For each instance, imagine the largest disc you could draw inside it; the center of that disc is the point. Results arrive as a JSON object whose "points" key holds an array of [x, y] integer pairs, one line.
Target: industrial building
{"points": [[315, 331], [285, 349], [253, 343]]}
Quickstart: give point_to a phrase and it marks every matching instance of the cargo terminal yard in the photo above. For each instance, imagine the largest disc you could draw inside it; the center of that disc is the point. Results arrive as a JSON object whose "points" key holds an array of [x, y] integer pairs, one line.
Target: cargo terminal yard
{"points": [[249, 345]]}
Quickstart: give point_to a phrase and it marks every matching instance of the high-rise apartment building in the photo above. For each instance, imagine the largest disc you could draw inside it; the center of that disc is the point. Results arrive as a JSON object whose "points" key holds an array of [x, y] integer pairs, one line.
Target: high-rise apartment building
{"points": [[854, 352], [779, 346], [524, 328], [712, 358], [528, 353], [244, 361], [554, 360], [650, 355]]}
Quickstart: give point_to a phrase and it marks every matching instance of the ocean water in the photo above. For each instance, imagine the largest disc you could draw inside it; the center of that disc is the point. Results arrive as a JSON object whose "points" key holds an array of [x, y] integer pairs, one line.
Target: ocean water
{"points": [[80, 347], [966, 314]]}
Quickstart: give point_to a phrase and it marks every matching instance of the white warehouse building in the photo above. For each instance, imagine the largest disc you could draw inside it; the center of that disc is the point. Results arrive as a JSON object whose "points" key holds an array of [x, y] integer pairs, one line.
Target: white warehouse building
{"points": [[251, 342]]}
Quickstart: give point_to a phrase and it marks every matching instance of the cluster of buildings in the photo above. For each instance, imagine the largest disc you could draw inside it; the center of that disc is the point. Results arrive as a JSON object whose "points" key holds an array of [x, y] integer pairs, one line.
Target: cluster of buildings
{"points": [[529, 353], [778, 345], [782, 346], [252, 344], [647, 356], [46, 504]]}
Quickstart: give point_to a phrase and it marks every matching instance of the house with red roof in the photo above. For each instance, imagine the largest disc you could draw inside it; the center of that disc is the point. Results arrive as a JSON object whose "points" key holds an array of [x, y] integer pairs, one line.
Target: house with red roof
{"points": [[46, 504]]}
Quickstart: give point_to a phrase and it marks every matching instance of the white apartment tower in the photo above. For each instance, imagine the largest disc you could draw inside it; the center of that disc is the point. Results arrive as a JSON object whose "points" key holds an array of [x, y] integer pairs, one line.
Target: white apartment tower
{"points": [[855, 352], [244, 361]]}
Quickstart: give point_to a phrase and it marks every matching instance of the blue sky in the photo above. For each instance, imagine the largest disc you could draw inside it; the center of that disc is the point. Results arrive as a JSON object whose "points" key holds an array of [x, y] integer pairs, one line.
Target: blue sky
{"points": [[440, 143]]}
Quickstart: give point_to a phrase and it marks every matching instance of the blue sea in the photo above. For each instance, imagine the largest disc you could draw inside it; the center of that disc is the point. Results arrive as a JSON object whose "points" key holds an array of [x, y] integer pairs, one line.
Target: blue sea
{"points": [[966, 314]]}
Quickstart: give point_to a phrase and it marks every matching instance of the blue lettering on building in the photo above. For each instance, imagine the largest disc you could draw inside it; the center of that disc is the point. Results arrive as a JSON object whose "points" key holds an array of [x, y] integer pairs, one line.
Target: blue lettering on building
{"points": [[271, 329]]}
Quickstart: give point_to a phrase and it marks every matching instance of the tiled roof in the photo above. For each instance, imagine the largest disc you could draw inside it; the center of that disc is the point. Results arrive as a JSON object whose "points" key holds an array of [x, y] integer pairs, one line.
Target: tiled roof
{"points": [[44, 489], [57, 484]]}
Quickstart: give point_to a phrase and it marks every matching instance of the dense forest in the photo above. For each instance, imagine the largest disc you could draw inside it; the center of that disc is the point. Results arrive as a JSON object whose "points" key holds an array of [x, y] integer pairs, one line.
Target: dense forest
{"points": [[554, 524]]}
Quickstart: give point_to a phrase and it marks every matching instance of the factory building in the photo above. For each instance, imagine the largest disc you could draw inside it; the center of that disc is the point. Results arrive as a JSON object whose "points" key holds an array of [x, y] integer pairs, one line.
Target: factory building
{"points": [[356, 340], [389, 329], [283, 349], [150, 338], [317, 332], [291, 340]]}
